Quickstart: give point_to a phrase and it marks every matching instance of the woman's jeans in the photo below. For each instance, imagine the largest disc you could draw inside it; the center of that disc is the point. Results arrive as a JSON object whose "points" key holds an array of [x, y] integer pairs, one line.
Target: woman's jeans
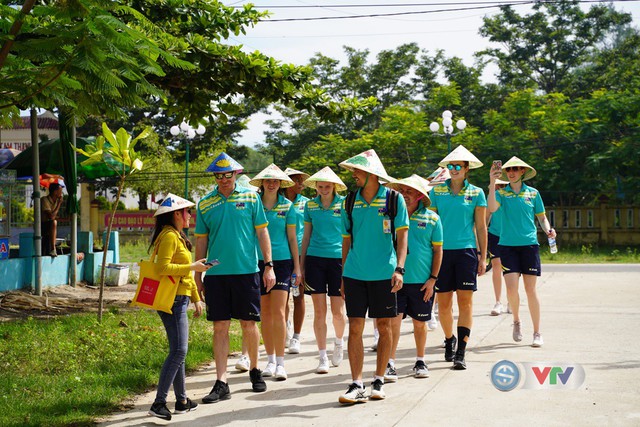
{"points": [[177, 327]]}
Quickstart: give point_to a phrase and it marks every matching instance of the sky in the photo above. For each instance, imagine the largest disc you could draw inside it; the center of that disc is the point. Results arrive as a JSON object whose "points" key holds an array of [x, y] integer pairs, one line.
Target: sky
{"points": [[451, 25]]}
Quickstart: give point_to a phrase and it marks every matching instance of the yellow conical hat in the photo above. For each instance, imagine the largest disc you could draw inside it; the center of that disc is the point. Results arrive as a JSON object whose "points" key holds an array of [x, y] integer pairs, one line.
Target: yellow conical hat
{"points": [[272, 172], [514, 161], [325, 175], [461, 154], [292, 172], [416, 182]]}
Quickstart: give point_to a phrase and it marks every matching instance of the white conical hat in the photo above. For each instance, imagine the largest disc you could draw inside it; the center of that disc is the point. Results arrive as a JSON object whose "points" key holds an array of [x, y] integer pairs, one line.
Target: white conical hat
{"points": [[172, 203], [292, 172], [501, 182], [272, 172], [367, 161], [416, 182], [461, 154], [325, 175], [514, 161], [244, 180], [439, 176]]}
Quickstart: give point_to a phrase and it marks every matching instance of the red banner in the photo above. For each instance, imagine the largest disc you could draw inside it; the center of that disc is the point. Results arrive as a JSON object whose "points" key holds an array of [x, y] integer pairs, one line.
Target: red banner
{"points": [[142, 219]]}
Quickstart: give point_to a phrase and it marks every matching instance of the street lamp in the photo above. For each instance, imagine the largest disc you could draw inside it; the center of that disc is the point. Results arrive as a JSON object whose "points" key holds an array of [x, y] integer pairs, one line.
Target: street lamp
{"points": [[447, 127]]}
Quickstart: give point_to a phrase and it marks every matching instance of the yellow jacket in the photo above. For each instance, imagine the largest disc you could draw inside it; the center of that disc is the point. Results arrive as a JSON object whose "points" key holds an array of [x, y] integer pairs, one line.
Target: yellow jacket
{"points": [[174, 259]]}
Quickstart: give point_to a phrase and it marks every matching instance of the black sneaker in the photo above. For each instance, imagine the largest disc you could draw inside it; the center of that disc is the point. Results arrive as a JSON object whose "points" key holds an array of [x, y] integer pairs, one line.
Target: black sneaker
{"points": [[450, 348], [181, 408], [220, 391], [257, 383], [458, 362], [160, 410]]}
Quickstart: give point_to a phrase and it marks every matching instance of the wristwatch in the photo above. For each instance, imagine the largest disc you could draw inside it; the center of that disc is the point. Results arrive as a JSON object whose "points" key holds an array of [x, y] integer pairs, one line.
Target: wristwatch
{"points": [[433, 277], [268, 264], [400, 270]]}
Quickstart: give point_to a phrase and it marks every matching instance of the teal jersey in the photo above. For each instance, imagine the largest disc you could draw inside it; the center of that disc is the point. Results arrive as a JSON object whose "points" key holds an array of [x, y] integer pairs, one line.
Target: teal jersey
{"points": [[299, 204], [230, 225], [457, 213], [280, 217], [495, 224], [326, 233], [372, 256], [519, 215], [425, 231]]}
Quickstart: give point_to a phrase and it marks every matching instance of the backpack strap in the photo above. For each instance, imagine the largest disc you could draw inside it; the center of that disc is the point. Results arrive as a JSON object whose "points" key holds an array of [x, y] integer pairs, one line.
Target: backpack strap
{"points": [[349, 201], [391, 207]]}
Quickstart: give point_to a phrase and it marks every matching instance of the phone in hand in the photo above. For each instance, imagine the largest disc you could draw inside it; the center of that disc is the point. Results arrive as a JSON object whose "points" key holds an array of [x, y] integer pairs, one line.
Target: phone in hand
{"points": [[212, 263], [497, 164]]}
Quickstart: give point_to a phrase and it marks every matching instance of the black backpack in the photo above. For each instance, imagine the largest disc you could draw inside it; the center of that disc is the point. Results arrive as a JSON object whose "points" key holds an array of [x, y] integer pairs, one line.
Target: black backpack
{"points": [[390, 210]]}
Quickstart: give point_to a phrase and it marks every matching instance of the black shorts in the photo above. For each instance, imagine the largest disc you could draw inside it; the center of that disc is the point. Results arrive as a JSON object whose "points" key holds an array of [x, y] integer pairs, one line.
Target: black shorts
{"points": [[374, 296], [459, 270], [322, 275], [521, 259], [232, 296], [494, 249], [411, 302], [283, 270]]}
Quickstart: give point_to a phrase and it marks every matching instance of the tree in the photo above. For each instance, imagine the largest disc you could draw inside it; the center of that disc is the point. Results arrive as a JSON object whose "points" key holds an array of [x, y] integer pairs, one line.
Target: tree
{"points": [[541, 49]]}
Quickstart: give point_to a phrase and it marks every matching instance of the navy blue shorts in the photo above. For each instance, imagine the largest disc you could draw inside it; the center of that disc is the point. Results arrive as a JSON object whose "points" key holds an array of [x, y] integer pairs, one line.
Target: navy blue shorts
{"points": [[494, 249], [374, 296], [459, 270], [521, 259], [322, 275], [283, 270], [411, 302], [232, 296]]}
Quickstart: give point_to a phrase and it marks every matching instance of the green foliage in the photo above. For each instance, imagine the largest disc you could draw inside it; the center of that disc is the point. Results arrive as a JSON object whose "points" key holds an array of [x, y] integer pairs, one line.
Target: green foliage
{"points": [[20, 213]]}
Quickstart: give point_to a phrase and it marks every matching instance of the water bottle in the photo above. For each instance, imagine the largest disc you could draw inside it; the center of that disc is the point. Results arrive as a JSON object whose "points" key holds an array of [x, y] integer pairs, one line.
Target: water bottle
{"points": [[552, 246], [295, 289]]}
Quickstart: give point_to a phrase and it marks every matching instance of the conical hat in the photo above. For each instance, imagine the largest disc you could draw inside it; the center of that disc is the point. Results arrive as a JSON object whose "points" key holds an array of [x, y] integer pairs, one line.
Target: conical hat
{"points": [[292, 172], [416, 182], [325, 175], [461, 154], [367, 161], [243, 180], [224, 163], [501, 182], [514, 161], [272, 172], [439, 176], [172, 203]]}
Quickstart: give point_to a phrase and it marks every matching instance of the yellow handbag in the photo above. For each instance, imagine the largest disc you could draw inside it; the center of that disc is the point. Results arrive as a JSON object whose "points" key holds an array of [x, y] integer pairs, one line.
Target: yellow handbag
{"points": [[155, 291]]}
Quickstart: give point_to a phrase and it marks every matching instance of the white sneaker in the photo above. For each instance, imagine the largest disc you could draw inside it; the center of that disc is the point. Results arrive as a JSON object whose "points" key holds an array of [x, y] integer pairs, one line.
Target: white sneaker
{"points": [[323, 366], [280, 374], [374, 346], [338, 354], [390, 374], [243, 364], [537, 340], [377, 392], [497, 309], [420, 369], [432, 324], [517, 332], [354, 394], [289, 331], [435, 308], [269, 370], [294, 346]]}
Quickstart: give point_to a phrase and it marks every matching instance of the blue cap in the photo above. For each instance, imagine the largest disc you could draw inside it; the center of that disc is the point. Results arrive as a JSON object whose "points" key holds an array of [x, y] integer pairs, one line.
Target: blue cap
{"points": [[224, 163]]}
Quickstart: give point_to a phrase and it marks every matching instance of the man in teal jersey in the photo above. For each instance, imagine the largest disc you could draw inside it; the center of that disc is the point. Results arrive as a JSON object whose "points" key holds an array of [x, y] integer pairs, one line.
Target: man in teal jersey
{"points": [[415, 299], [299, 201], [229, 219], [373, 271]]}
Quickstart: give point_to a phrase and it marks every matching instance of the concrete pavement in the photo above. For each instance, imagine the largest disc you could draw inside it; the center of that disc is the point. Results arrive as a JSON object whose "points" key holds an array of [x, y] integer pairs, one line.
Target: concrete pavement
{"points": [[590, 317]]}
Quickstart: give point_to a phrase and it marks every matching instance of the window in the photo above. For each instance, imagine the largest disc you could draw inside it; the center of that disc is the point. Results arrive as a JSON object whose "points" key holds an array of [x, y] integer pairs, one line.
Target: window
{"points": [[578, 218], [629, 218], [565, 219], [616, 218], [590, 218], [552, 218]]}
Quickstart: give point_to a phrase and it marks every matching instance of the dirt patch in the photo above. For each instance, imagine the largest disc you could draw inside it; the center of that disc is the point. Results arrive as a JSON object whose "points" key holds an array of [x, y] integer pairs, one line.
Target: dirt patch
{"points": [[61, 300]]}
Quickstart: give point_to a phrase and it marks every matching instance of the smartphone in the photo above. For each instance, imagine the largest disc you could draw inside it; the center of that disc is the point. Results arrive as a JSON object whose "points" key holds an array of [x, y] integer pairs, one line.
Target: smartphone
{"points": [[212, 263], [497, 164]]}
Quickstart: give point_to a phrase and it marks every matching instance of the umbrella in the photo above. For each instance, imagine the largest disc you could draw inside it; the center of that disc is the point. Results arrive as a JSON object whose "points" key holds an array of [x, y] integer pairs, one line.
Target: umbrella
{"points": [[6, 155]]}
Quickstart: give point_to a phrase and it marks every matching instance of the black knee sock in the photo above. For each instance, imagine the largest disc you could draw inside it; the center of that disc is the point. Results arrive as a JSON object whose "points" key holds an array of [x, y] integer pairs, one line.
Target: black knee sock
{"points": [[463, 336]]}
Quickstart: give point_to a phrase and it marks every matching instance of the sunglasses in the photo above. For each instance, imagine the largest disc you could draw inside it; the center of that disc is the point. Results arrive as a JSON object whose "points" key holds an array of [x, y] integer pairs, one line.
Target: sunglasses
{"points": [[226, 175], [513, 168], [454, 167]]}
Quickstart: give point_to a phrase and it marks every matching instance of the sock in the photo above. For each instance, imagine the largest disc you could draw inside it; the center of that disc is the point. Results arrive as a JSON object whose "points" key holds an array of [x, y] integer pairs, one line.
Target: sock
{"points": [[375, 377], [392, 362], [280, 360], [271, 358], [419, 358], [323, 353], [296, 336], [376, 334], [359, 383], [339, 341], [463, 337]]}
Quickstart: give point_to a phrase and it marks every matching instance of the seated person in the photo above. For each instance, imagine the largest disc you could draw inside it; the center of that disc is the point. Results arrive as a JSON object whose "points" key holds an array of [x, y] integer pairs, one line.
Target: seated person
{"points": [[50, 205]]}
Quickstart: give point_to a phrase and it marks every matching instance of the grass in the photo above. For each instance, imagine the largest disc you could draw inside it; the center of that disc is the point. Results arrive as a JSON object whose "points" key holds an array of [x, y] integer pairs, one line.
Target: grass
{"points": [[588, 254], [71, 370]]}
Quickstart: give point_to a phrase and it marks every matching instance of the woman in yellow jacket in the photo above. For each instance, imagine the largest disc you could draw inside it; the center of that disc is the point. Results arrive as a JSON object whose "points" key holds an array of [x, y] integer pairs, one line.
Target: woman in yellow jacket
{"points": [[173, 258]]}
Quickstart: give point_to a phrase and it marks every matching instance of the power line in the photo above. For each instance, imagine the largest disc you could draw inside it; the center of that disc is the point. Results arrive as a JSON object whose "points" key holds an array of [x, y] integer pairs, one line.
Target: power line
{"points": [[382, 5]]}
